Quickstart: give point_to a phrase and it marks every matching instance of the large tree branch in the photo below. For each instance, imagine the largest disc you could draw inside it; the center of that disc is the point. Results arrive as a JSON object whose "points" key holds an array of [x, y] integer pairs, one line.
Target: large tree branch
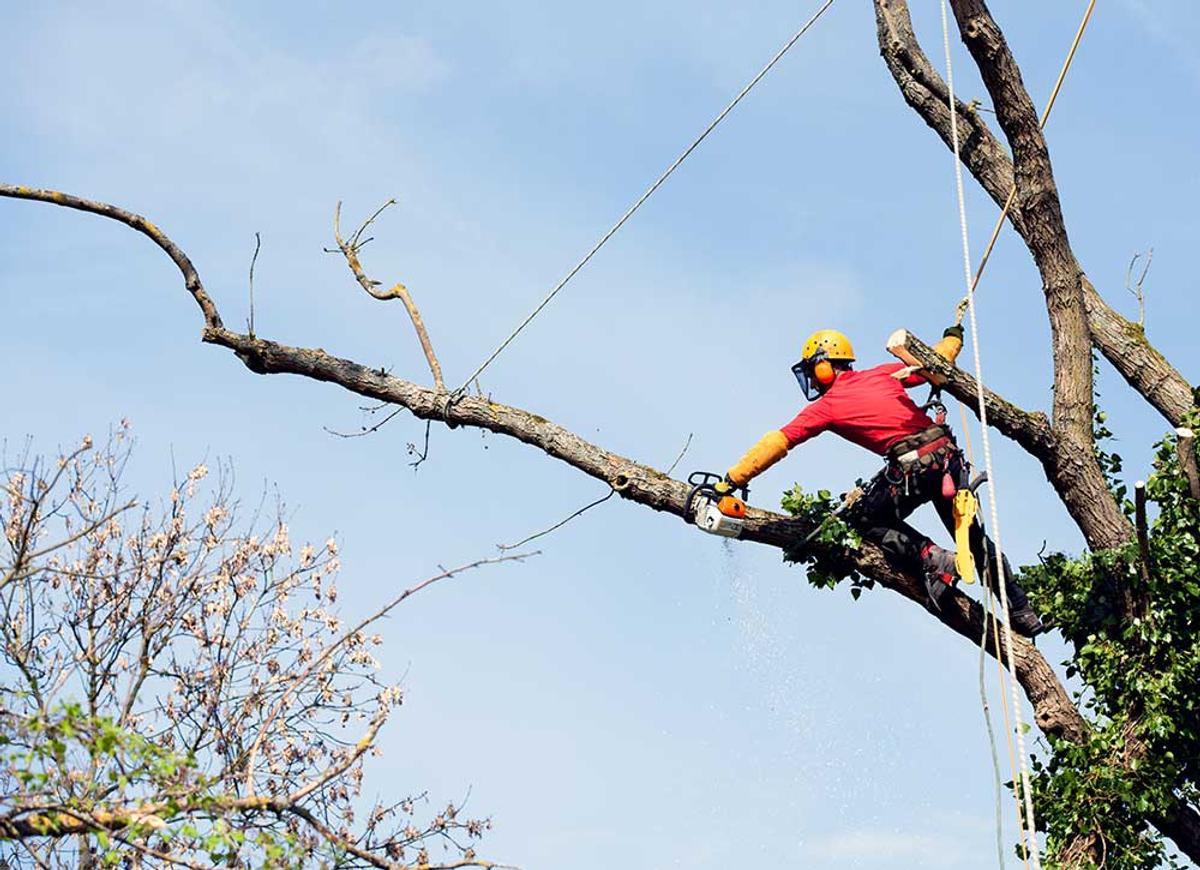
{"points": [[1029, 429], [1045, 229], [1069, 465], [1038, 219], [1121, 341], [1072, 466], [1053, 709], [191, 279], [640, 483], [632, 480]]}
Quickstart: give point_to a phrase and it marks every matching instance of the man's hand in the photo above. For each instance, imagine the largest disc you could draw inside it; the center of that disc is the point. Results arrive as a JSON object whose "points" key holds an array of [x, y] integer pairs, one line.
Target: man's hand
{"points": [[725, 487]]}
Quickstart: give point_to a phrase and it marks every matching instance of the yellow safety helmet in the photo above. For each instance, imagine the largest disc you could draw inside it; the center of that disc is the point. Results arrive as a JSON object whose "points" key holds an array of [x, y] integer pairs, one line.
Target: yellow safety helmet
{"points": [[834, 343], [815, 371]]}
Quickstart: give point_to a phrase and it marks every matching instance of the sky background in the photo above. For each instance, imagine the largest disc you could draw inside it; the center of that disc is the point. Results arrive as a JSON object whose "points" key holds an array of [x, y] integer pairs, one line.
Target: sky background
{"points": [[638, 692]]}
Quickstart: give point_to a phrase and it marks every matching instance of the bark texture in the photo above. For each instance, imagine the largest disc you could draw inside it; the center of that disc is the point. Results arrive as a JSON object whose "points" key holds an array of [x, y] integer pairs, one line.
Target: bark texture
{"points": [[1062, 441], [1079, 318], [1121, 341]]}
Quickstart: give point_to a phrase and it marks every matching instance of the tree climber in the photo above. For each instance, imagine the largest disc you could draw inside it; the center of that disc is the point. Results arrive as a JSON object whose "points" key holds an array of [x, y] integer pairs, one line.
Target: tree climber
{"points": [[924, 464]]}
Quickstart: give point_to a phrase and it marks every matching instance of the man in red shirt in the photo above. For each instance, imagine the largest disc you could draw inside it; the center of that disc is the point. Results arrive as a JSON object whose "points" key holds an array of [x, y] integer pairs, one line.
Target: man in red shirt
{"points": [[872, 408]]}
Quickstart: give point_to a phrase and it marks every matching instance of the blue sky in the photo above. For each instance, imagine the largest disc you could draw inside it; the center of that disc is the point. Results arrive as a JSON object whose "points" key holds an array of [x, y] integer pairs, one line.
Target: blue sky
{"points": [[637, 691]]}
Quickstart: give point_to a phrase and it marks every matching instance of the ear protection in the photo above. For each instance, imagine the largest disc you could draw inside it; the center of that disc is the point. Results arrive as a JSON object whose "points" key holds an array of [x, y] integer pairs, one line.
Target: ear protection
{"points": [[823, 372]]}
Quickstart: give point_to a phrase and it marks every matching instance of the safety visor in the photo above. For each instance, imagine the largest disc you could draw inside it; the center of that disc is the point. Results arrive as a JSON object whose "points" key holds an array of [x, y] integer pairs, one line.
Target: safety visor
{"points": [[803, 372]]}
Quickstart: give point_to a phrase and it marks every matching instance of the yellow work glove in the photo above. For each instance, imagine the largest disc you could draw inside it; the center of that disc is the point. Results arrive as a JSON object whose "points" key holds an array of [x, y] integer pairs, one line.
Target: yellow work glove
{"points": [[951, 344], [766, 452]]}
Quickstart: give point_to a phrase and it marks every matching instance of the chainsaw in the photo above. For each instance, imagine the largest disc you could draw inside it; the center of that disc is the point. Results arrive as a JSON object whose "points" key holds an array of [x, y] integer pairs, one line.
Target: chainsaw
{"points": [[712, 511]]}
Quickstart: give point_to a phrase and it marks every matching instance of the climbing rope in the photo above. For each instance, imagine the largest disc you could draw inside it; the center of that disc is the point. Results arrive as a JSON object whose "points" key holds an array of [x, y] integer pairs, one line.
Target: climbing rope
{"points": [[990, 618], [1028, 835], [645, 196], [1012, 193]]}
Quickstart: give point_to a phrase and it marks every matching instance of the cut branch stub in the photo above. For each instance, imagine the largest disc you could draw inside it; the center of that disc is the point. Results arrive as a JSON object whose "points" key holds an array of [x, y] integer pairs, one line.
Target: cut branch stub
{"points": [[350, 249], [1186, 447]]}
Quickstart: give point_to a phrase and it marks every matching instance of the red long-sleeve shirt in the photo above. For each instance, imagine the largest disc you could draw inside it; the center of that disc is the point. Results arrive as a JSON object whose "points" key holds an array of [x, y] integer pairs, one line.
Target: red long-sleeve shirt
{"points": [[869, 407]]}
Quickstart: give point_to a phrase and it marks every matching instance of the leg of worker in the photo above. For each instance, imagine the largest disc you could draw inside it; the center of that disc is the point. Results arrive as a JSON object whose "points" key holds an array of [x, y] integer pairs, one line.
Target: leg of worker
{"points": [[880, 520]]}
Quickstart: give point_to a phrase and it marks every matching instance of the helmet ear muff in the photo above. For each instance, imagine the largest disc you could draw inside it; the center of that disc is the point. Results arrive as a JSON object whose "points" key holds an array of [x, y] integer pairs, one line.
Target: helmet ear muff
{"points": [[823, 372]]}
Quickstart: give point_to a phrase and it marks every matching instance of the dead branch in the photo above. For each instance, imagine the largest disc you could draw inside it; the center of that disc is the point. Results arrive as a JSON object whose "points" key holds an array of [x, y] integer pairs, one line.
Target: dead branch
{"points": [[345, 637], [683, 451], [1053, 709], [253, 262], [558, 525], [191, 279], [1135, 287], [350, 249]]}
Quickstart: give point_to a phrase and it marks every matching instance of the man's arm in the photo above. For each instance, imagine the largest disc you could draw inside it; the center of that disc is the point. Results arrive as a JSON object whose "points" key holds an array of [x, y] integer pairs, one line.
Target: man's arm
{"points": [[775, 445]]}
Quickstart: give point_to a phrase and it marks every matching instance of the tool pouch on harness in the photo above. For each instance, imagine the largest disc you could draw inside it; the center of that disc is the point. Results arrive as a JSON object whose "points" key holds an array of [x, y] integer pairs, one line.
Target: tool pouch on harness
{"points": [[929, 450], [925, 449]]}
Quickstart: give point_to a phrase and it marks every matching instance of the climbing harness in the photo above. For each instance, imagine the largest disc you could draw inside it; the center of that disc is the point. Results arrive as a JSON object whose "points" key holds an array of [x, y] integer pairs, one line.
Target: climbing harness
{"points": [[649, 192]]}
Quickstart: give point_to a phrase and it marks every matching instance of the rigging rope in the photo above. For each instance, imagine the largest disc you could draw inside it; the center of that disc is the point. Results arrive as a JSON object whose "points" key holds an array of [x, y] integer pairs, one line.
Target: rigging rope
{"points": [[1030, 828], [645, 196], [991, 617], [1012, 193]]}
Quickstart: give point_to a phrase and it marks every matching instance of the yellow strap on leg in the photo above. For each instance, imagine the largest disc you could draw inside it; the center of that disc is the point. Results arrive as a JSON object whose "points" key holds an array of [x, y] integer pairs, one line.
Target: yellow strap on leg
{"points": [[965, 507]]}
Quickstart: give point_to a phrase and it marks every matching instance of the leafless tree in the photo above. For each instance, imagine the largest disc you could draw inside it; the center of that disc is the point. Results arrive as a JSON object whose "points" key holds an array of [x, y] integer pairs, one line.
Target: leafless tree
{"points": [[1062, 439], [178, 688]]}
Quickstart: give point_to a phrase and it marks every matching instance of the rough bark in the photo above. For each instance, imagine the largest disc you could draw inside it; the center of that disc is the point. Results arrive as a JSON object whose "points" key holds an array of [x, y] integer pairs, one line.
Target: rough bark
{"points": [[1063, 443], [1079, 318], [1070, 465], [1121, 341], [1053, 710]]}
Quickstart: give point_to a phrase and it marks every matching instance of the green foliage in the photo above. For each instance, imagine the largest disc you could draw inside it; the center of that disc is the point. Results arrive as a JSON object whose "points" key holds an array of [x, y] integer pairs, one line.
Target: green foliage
{"points": [[150, 796], [1139, 678], [828, 555]]}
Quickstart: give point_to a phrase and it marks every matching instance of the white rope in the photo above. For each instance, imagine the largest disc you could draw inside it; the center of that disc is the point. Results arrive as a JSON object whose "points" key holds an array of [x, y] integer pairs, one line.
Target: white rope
{"points": [[645, 196], [991, 731], [1030, 829]]}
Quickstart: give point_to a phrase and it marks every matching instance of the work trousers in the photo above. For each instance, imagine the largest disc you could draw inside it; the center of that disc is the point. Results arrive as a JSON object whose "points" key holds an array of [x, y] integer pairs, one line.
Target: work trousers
{"points": [[881, 512]]}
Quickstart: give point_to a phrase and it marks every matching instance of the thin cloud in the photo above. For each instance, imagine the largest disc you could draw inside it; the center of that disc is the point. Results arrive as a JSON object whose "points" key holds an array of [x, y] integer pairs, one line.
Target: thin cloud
{"points": [[887, 848], [1163, 25]]}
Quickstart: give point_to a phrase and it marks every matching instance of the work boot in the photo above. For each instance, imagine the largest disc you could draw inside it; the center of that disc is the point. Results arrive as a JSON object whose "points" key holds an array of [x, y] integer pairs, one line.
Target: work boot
{"points": [[1026, 622], [940, 572]]}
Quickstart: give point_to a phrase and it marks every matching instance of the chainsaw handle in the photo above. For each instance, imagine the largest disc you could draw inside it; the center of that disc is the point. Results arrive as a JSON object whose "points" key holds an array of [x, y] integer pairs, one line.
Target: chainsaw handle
{"points": [[708, 480]]}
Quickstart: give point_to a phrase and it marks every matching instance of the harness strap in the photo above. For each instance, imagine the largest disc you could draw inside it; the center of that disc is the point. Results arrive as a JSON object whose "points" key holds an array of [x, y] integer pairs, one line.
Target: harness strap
{"points": [[918, 441]]}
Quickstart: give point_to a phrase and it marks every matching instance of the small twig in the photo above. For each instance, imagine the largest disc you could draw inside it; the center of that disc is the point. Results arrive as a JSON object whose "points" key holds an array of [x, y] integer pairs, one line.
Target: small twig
{"points": [[1135, 287], [335, 770], [350, 249], [678, 458], [424, 454], [366, 430], [1186, 448], [299, 680], [558, 525], [253, 260]]}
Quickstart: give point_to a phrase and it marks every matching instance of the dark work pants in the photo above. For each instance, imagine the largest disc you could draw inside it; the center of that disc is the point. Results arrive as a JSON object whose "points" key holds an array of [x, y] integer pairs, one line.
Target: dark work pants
{"points": [[880, 517]]}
